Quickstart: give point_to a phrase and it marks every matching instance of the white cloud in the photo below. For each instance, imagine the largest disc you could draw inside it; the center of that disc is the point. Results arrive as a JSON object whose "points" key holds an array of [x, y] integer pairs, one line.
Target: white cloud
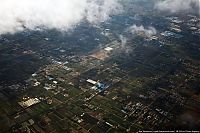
{"points": [[179, 5], [150, 31], [15, 15]]}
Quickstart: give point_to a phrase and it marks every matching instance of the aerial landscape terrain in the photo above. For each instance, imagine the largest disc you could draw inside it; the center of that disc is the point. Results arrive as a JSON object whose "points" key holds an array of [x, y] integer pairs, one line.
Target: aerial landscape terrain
{"points": [[99, 66]]}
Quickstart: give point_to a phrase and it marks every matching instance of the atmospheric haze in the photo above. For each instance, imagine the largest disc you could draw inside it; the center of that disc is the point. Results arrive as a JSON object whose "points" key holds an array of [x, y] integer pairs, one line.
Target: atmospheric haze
{"points": [[16, 15]]}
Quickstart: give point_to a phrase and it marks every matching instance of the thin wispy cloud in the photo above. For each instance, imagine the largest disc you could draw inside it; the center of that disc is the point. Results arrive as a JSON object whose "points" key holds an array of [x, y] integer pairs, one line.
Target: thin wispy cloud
{"points": [[174, 6]]}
